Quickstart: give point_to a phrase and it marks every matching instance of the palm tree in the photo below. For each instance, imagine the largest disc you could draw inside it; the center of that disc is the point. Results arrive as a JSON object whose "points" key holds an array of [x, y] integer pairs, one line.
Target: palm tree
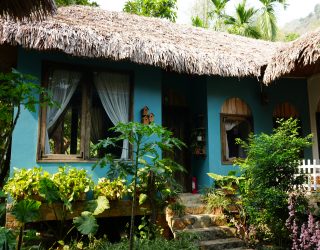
{"points": [[244, 22], [267, 19], [218, 13]]}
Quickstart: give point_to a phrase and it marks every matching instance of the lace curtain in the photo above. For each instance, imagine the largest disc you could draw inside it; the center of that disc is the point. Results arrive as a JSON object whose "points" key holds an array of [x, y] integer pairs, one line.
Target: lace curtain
{"points": [[114, 93], [62, 85]]}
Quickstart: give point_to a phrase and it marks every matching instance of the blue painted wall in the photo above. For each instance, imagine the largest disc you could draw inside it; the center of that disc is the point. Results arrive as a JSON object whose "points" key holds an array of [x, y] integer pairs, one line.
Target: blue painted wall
{"points": [[219, 89], [147, 91], [204, 95]]}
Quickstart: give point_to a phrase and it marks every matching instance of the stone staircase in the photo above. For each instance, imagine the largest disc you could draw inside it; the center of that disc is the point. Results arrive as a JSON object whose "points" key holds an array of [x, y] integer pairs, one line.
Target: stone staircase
{"points": [[210, 228]]}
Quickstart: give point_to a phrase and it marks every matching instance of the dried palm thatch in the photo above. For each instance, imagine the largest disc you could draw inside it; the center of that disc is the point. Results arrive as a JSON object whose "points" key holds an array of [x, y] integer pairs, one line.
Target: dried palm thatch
{"points": [[95, 33], [19, 9], [299, 58]]}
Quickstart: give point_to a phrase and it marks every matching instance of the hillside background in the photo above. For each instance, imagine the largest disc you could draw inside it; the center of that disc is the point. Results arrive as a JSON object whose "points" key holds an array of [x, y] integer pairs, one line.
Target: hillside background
{"points": [[300, 26]]}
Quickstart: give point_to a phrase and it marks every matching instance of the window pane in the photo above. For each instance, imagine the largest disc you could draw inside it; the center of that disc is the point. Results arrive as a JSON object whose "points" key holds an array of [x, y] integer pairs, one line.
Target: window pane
{"points": [[64, 135], [241, 129]]}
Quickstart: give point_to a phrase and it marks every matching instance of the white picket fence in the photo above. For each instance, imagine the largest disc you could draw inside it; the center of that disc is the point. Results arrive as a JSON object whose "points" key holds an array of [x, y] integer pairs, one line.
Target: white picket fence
{"points": [[311, 168]]}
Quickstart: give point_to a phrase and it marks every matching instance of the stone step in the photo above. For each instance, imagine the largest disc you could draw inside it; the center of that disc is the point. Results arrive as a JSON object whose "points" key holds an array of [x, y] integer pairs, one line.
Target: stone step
{"points": [[219, 244], [210, 233], [187, 198], [196, 221], [198, 208]]}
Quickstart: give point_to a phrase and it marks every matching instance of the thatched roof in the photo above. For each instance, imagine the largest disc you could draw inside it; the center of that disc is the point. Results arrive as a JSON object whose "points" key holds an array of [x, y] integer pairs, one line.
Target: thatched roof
{"points": [[95, 33], [19, 9], [300, 58]]}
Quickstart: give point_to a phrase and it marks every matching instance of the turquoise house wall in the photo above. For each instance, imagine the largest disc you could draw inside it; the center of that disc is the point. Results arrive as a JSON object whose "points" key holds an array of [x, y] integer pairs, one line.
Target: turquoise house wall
{"points": [[204, 95], [147, 91], [219, 89]]}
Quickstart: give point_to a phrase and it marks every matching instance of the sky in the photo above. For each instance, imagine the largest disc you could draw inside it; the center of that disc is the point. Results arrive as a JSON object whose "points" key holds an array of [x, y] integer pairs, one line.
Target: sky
{"points": [[296, 8]]}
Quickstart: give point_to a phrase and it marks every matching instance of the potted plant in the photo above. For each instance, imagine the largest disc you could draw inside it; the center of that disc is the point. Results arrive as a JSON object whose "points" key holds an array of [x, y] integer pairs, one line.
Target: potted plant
{"points": [[24, 184], [112, 190], [72, 183]]}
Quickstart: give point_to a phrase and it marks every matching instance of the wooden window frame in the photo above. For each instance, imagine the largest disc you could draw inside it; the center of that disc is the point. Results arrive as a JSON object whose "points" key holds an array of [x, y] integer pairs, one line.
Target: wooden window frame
{"points": [[235, 117], [85, 113]]}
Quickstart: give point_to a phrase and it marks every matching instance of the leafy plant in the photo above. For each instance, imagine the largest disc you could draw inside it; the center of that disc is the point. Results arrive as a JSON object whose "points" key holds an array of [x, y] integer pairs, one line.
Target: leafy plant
{"points": [[270, 174], [305, 234], [17, 90], [75, 2], [155, 8], [25, 211], [216, 200], [7, 239], [185, 241], [24, 183], [72, 184], [148, 169], [112, 190], [228, 182], [86, 223], [98, 206], [177, 209]]}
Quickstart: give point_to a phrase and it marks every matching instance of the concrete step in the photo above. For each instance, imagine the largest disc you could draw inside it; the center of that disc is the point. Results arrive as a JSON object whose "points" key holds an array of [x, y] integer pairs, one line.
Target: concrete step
{"points": [[210, 233], [188, 198], [219, 244], [197, 208], [192, 221]]}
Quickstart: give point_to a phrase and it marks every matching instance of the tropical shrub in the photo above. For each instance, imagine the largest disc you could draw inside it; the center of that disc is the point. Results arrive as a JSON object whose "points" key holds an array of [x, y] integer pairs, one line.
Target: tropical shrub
{"points": [[7, 239], [151, 173], [270, 174], [17, 91], [216, 200], [112, 190], [25, 183], [72, 183]]}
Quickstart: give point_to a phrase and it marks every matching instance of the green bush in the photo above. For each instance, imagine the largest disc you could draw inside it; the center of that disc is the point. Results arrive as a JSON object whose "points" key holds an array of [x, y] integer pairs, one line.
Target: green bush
{"points": [[25, 183], [112, 190], [269, 172], [72, 183]]}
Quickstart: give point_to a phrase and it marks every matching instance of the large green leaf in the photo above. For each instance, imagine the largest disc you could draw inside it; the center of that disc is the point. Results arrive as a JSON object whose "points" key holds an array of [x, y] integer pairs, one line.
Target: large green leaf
{"points": [[98, 206], [49, 190], [86, 223], [7, 239], [26, 210], [142, 198]]}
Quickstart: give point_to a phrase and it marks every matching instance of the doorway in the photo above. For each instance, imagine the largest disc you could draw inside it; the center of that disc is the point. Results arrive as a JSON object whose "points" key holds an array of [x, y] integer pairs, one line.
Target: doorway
{"points": [[176, 118]]}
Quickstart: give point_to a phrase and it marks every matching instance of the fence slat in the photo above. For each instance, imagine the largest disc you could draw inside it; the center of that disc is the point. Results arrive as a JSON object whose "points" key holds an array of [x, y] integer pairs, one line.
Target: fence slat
{"points": [[312, 170]]}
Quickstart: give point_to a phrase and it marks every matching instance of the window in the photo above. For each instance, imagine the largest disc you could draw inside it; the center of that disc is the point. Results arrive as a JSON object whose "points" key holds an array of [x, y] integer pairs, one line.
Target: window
{"points": [[90, 103], [236, 122], [284, 111]]}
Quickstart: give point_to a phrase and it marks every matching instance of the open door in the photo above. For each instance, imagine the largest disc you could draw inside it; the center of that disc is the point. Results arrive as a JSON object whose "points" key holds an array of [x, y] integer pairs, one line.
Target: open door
{"points": [[176, 118]]}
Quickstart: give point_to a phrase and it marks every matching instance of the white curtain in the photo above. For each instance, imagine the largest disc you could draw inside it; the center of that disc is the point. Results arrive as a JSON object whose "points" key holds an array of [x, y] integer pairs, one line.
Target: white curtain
{"points": [[62, 85], [98, 125], [228, 125], [114, 93]]}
